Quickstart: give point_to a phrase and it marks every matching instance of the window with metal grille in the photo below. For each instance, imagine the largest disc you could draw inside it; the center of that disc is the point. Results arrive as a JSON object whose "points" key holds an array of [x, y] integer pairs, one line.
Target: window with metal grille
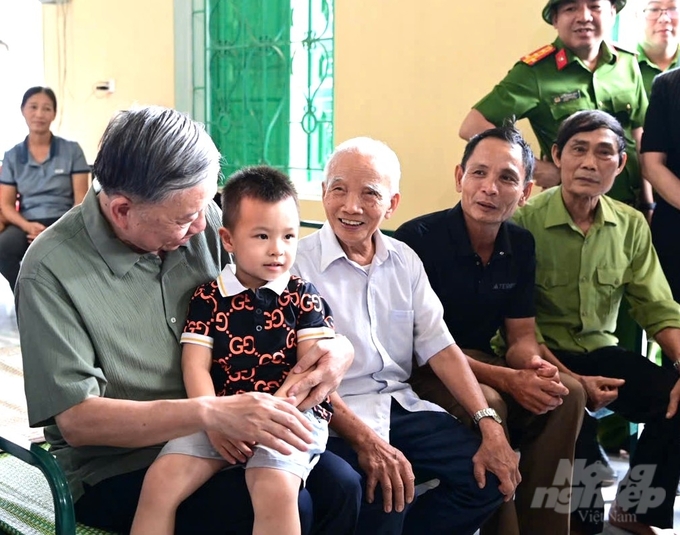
{"points": [[263, 83]]}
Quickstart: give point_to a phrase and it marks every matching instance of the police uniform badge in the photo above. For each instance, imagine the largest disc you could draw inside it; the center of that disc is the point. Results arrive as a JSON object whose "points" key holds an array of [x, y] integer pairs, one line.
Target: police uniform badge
{"points": [[537, 55]]}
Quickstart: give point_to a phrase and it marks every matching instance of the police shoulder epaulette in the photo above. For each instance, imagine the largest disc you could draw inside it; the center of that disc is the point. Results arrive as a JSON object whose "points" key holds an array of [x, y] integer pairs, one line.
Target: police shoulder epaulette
{"points": [[537, 55], [620, 48]]}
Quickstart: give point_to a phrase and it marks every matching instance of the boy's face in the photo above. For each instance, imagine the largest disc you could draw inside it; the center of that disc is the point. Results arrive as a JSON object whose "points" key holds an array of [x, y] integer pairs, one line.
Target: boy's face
{"points": [[263, 240]]}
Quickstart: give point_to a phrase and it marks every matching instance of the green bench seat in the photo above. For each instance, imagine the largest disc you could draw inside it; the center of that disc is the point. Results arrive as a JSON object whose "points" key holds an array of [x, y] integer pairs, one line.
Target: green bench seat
{"points": [[34, 496]]}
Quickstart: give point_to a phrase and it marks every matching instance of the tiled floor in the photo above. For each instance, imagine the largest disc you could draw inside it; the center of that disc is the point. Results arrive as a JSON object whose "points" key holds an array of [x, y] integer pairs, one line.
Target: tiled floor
{"points": [[9, 336]]}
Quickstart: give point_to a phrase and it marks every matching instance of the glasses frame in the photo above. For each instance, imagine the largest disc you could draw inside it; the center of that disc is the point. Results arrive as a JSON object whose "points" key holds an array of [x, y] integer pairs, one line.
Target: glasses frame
{"points": [[671, 12]]}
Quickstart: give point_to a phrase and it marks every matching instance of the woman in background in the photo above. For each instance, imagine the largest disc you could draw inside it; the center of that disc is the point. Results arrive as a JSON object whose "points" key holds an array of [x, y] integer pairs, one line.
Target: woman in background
{"points": [[50, 175]]}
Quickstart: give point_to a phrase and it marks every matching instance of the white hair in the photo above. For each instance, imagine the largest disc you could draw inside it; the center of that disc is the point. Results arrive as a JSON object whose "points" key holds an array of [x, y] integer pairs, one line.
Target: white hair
{"points": [[384, 159]]}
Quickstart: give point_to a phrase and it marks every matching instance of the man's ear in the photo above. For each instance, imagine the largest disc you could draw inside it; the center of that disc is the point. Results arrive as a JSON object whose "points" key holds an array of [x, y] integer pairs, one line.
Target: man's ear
{"points": [[459, 172], [227, 240], [622, 163], [120, 207], [556, 156], [525, 194], [394, 202]]}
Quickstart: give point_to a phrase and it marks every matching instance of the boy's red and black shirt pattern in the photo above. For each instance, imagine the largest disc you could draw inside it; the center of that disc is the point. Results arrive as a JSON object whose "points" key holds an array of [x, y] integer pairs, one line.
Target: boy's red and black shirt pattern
{"points": [[254, 334]]}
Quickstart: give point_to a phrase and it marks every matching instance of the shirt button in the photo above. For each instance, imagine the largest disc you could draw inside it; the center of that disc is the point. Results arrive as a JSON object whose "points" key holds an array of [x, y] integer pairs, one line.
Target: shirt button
{"points": [[258, 328], [583, 279], [600, 104], [584, 313], [173, 320], [258, 311]]}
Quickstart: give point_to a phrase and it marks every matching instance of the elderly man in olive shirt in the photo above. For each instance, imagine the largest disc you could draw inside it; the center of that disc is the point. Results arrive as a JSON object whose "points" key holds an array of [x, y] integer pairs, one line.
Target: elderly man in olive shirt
{"points": [[591, 251]]}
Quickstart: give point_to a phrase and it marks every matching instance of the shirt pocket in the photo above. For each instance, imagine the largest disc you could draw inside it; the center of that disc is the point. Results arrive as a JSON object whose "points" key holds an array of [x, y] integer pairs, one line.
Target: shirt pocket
{"points": [[611, 283], [562, 110], [401, 331], [552, 291], [621, 106]]}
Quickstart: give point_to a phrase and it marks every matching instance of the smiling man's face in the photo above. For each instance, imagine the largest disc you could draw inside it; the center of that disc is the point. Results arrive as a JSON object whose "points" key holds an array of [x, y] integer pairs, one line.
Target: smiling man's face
{"points": [[357, 197], [493, 182], [582, 25]]}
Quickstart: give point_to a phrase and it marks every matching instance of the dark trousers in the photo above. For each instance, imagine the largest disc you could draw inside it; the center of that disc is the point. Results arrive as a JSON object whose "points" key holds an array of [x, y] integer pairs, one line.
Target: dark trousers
{"points": [[643, 398], [13, 245], [438, 447], [328, 505]]}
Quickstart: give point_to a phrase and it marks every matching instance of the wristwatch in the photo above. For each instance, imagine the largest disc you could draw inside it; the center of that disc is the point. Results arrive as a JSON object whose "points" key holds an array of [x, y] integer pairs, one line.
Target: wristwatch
{"points": [[676, 365], [486, 413]]}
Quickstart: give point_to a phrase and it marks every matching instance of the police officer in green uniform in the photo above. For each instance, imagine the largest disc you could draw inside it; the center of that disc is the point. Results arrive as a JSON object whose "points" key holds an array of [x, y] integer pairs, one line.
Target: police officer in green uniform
{"points": [[658, 50], [578, 71]]}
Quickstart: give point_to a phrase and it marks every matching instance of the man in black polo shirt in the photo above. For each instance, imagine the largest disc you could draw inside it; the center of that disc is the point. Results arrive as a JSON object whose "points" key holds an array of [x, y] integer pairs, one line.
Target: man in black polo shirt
{"points": [[482, 268]]}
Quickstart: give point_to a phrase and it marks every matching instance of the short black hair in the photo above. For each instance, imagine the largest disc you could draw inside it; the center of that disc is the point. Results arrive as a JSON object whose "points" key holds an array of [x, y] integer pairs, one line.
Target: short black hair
{"points": [[509, 133], [588, 121], [39, 89], [260, 182], [149, 153]]}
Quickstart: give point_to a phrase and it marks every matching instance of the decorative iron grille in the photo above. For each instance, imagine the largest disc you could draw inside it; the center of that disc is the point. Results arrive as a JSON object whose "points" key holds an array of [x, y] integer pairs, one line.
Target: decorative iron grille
{"points": [[264, 85]]}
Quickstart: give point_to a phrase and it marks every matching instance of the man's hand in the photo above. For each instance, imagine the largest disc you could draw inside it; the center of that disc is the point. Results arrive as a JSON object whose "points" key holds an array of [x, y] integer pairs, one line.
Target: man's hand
{"points": [[546, 175], [538, 387], [291, 380], [332, 357], [674, 399], [259, 418], [601, 391], [233, 451], [496, 456], [386, 465]]}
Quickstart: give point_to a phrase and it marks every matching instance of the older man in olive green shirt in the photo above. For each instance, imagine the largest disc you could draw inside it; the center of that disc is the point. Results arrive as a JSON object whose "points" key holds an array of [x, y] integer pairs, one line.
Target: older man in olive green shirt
{"points": [[578, 71], [101, 302], [591, 251]]}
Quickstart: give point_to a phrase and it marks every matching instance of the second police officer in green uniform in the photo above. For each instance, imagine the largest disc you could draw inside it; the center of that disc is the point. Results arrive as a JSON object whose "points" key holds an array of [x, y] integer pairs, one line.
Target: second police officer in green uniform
{"points": [[658, 50]]}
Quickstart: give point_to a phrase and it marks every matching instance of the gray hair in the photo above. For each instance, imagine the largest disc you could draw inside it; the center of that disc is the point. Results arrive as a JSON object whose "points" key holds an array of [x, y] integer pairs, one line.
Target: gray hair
{"points": [[149, 153], [385, 160]]}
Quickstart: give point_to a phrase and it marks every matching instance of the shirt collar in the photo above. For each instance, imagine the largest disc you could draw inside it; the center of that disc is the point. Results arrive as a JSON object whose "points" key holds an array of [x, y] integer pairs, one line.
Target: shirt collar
{"points": [[332, 251], [229, 285], [459, 234], [118, 256], [23, 149], [557, 213], [608, 53], [643, 58]]}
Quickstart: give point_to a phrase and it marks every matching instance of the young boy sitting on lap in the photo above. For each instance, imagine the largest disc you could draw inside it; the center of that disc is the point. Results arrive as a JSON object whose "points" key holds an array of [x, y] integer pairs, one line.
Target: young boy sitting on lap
{"points": [[243, 333]]}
